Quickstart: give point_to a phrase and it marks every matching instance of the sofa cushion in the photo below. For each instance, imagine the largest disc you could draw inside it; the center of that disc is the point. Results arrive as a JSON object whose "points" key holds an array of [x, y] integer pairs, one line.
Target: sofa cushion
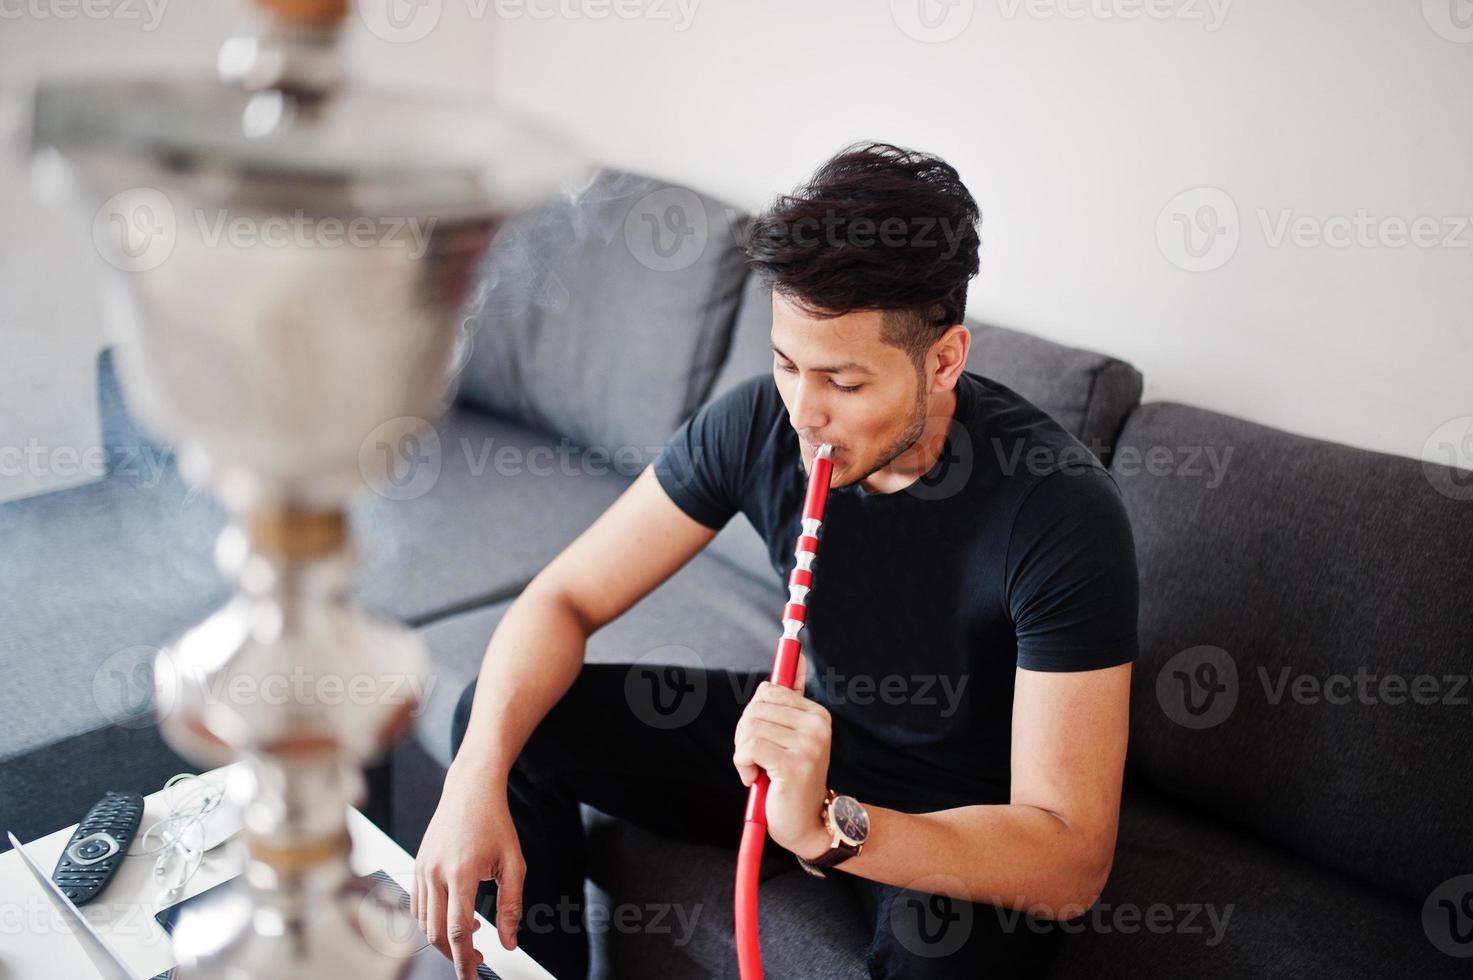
{"points": [[496, 502], [604, 316], [749, 352], [129, 449], [1087, 393], [95, 579], [1276, 571], [810, 927], [487, 504], [1189, 897]]}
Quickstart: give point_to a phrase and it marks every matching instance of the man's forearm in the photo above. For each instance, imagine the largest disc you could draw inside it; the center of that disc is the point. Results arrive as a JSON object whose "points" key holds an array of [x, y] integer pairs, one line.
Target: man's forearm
{"points": [[1013, 855], [533, 658]]}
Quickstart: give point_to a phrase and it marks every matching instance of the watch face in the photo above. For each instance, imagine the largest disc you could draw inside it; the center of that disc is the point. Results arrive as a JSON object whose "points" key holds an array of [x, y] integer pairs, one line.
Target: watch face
{"points": [[850, 819]]}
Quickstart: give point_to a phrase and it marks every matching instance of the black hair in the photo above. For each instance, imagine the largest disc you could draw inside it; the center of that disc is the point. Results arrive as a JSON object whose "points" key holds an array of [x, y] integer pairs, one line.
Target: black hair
{"points": [[877, 227]]}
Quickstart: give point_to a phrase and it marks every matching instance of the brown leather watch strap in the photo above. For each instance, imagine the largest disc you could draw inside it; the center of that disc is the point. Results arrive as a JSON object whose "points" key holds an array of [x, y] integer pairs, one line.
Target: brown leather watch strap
{"points": [[839, 852]]}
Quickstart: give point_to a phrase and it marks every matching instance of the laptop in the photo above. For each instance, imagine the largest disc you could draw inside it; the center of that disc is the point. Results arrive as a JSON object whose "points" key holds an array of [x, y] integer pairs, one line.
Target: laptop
{"points": [[428, 963], [109, 964]]}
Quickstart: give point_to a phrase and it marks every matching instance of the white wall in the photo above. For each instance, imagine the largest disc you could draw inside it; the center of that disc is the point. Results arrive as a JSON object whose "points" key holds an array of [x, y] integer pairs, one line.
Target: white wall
{"points": [[1074, 134], [1075, 126]]}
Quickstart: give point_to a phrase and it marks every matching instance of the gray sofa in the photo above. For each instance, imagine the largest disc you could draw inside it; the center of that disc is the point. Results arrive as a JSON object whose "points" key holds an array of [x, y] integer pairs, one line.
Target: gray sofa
{"points": [[1270, 827]]}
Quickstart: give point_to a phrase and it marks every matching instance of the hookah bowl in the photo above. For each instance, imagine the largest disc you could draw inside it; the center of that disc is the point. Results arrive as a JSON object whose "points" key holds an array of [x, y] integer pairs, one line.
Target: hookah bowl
{"points": [[268, 358]]}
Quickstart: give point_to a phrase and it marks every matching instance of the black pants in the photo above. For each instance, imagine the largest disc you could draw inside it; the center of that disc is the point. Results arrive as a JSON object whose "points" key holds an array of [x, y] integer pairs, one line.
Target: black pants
{"points": [[653, 744]]}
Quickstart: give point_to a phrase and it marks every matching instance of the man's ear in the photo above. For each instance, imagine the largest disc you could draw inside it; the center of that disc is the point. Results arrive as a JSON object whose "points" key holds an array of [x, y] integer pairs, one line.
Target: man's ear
{"points": [[953, 348]]}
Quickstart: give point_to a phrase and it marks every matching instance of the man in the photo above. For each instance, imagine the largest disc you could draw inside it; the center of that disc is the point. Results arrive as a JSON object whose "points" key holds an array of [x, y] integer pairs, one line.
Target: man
{"points": [[965, 688]]}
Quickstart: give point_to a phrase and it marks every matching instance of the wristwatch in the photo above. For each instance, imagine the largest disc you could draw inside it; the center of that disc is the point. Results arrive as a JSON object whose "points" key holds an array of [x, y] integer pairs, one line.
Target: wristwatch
{"points": [[848, 824]]}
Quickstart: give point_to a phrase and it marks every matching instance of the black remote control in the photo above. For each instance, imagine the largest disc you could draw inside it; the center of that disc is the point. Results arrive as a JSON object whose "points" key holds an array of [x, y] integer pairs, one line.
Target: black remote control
{"points": [[98, 846]]}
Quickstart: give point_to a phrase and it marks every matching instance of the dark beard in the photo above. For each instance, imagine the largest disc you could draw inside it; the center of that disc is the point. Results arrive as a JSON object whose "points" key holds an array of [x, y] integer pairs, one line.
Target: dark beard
{"points": [[906, 439]]}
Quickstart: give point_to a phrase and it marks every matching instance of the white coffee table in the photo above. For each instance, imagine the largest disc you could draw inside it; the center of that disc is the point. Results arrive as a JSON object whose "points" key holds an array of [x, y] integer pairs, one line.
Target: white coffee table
{"points": [[36, 944]]}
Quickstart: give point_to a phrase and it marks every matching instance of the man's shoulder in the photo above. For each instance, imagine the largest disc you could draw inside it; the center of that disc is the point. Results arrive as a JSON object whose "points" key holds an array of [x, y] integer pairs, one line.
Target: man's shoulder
{"points": [[740, 422], [751, 406]]}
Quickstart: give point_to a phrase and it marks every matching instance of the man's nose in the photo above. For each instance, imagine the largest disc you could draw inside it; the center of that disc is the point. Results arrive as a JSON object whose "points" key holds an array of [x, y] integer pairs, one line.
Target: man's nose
{"points": [[809, 413]]}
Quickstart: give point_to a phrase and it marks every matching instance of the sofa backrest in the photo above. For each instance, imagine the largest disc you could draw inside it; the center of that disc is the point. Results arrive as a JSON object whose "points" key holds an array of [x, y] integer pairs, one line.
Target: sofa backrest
{"points": [[603, 315], [1087, 393], [129, 451], [1306, 640]]}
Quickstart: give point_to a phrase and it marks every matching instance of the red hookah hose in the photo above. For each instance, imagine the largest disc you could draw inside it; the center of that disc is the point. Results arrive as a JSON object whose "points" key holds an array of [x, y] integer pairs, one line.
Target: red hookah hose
{"points": [[784, 672]]}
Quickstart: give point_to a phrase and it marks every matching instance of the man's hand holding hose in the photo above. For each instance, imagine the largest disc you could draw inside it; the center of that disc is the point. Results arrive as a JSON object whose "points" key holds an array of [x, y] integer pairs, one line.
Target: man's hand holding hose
{"points": [[788, 736], [472, 838]]}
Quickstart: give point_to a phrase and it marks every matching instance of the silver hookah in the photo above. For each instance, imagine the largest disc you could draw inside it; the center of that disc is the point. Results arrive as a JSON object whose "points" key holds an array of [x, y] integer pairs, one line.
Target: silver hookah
{"points": [[268, 363]]}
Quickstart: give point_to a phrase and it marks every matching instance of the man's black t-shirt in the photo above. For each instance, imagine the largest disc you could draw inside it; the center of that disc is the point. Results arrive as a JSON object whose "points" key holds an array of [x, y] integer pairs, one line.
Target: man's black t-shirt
{"points": [[1013, 551]]}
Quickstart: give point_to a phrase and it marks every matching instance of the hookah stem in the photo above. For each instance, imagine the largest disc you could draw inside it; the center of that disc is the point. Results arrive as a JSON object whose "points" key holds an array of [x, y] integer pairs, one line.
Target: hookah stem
{"points": [[784, 672]]}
